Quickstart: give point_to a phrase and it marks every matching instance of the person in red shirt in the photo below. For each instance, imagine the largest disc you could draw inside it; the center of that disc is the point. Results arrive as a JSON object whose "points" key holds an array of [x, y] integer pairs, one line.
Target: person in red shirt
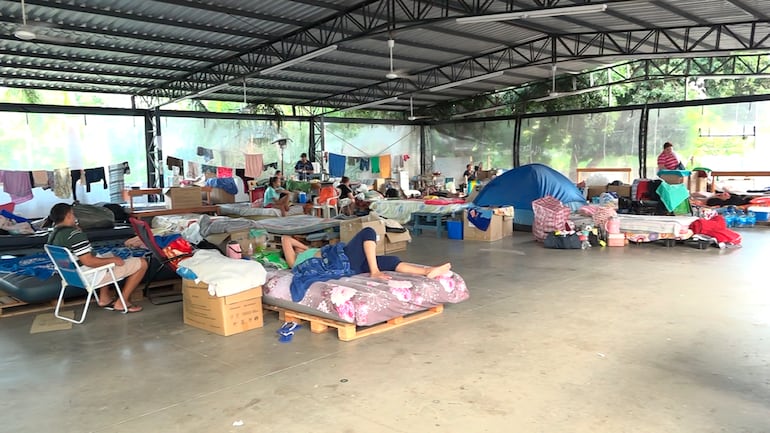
{"points": [[668, 159]]}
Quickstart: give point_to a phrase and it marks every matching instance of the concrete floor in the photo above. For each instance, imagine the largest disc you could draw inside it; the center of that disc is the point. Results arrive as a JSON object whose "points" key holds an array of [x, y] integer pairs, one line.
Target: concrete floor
{"points": [[636, 339]]}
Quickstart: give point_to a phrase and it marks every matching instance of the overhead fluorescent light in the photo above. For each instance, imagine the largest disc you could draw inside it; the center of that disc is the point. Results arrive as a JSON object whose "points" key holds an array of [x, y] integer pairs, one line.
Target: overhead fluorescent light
{"points": [[209, 90], [300, 59], [369, 104], [466, 81], [539, 13], [483, 110]]}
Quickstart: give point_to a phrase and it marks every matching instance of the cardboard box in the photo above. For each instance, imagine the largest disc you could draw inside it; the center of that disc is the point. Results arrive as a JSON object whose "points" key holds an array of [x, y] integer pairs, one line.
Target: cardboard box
{"points": [[621, 190], [241, 236], [183, 197], [672, 179], [616, 240], [219, 196], [500, 227], [349, 228], [226, 315], [396, 241]]}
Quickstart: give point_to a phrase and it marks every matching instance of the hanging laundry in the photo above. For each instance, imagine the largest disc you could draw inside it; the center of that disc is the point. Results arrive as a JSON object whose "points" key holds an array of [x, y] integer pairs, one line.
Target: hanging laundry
{"points": [[385, 169], [254, 165], [117, 174], [172, 162], [273, 165], [352, 162], [363, 164], [336, 165], [209, 169], [39, 178], [89, 176], [206, 153], [62, 183], [224, 172], [17, 185], [51, 182], [375, 162], [241, 172], [193, 170]]}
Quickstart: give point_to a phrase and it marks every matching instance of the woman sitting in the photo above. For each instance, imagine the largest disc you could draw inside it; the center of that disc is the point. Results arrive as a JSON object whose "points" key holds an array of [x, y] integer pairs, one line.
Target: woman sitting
{"points": [[358, 256], [274, 199]]}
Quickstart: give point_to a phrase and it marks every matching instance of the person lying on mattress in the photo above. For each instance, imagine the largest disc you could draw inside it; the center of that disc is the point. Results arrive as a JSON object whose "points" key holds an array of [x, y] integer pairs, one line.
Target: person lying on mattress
{"points": [[358, 256]]}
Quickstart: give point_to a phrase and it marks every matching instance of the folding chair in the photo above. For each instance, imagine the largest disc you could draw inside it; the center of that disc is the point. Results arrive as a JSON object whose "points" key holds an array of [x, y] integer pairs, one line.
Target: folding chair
{"points": [[325, 205], [144, 232], [73, 275]]}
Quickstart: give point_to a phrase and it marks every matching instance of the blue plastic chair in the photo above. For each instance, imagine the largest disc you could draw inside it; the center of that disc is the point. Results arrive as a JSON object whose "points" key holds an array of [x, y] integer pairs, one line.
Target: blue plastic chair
{"points": [[72, 274]]}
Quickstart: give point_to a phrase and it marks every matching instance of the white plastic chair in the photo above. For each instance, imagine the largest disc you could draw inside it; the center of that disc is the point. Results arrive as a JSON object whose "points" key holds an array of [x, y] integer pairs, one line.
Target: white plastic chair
{"points": [[326, 208], [73, 275]]}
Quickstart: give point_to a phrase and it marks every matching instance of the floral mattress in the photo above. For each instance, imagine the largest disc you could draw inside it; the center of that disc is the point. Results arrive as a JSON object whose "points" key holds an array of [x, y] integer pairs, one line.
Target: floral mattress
{"points": [[401, 210], [367, 301]]}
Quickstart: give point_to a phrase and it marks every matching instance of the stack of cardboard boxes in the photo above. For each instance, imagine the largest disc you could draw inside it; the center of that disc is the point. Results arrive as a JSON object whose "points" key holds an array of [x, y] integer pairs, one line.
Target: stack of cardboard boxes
{"points": [[387, 242]]}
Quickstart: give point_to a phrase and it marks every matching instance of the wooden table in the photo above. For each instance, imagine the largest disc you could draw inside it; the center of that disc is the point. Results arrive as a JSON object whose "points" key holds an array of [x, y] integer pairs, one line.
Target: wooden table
{"points": [[129, 194], [745, 174]]}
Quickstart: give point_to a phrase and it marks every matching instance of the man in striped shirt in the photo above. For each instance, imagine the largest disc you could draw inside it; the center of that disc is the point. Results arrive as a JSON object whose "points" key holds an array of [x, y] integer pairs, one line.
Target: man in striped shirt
{"points": [[668, 159], [67, 234]]}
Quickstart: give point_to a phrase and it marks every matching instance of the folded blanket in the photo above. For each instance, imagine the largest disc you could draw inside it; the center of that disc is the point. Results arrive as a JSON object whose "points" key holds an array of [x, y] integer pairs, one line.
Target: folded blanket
{"points": [[225, 276]]}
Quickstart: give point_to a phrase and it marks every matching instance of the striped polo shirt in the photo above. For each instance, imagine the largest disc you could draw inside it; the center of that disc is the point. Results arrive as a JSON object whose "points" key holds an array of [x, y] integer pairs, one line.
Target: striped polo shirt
{"points": [[668, 160], [71, 238]]}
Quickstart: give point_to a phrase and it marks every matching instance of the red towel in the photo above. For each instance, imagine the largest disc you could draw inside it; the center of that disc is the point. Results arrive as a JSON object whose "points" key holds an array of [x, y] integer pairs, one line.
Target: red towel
{"points": [[716, 227]]}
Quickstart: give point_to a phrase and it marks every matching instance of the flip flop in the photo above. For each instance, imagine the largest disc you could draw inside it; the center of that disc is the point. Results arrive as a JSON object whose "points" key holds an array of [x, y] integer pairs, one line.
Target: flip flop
{"points": [[288, 327], [131, 309], [109, 306], [286, 337]]}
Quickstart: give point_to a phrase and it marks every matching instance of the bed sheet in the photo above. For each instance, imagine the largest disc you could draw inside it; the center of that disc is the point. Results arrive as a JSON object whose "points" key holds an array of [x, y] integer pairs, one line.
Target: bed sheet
{"points": [[401, 210], [648, 228], [245, 210], [176, 223], [367, 301], [296, 224]]}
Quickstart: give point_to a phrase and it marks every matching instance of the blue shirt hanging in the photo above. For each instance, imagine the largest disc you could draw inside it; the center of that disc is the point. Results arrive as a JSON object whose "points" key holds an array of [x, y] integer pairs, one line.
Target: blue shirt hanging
{"points": [[336, 165]]}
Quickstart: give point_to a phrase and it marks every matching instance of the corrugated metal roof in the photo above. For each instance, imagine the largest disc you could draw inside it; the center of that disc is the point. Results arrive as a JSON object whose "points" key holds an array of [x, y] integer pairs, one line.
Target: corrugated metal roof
{"points": [[166, 49]]}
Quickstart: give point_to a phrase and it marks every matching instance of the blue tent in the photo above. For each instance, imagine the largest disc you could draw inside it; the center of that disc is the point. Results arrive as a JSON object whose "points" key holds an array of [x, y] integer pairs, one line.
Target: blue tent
{"points": [[523, 185]]}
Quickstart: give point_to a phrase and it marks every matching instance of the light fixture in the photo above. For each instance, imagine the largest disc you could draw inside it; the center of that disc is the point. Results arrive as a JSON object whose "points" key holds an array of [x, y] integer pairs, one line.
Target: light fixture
{"points": [[537, 13], [466, 81], [209, 90], [300, 59], [483, 110], [369, 104]]}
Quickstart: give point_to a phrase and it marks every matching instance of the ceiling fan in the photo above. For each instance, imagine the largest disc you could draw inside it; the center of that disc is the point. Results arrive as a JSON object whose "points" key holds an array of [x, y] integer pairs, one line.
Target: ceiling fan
{"points": [[553, 94], [412, 117], [394, 74], [34, 32]]}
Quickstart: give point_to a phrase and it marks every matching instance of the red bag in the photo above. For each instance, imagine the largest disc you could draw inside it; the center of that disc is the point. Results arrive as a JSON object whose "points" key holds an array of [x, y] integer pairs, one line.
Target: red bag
{"points": [[550, 215]]}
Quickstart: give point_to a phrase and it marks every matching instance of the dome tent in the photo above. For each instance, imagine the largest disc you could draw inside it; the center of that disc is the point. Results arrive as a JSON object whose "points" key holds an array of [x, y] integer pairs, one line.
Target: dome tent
{"points": [[521, 186]]}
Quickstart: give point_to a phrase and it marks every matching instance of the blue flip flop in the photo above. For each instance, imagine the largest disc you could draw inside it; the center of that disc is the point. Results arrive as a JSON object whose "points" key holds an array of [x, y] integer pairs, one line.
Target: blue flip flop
{"points": [[286, 332]]}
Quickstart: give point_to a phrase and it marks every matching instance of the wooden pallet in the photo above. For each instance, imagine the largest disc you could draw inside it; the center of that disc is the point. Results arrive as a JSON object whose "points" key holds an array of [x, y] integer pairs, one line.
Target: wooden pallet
{"points": [[349, 331], [10, 306]]}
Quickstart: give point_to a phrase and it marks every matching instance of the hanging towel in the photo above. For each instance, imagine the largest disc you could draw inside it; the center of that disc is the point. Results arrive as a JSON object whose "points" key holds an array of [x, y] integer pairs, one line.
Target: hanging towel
{"points": [[375, 163], [224, 172], [39, 178], [193, 170], [172, 162], [336, 165], [353, 161], [385, 169], [17, 185], [62, 183], [273, 165], [95, 175], [254, 165], [117, 174], [363, 164], [206, 153], [51, 181]]}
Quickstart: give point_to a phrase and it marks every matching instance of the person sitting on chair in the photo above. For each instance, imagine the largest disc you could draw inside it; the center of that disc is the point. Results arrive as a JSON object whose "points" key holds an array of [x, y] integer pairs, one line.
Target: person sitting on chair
{"points": [[67, 234], [275, 199], [347, 198]]}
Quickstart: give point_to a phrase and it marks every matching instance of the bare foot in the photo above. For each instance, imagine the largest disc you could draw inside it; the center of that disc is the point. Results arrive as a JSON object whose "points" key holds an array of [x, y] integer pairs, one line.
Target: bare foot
{"points": [[438, 270]]}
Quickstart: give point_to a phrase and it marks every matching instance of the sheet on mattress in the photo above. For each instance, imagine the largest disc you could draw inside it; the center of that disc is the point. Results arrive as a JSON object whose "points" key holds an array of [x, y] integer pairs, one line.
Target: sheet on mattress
{"points": [[296, 224], [245, 210], [401, 210], [668, 225], [367, 301]]}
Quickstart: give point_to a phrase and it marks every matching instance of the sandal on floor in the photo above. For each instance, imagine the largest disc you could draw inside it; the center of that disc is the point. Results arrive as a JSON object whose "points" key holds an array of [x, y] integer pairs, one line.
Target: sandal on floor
{"points": [[109, 306], [131, 309]]}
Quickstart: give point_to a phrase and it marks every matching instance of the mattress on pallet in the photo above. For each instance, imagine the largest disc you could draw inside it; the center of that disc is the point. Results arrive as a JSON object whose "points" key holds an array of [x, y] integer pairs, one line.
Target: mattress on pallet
{"points": [[664, 227], [245, 210], [296, 224], [401, 210], [363, 300], [19, 244]]}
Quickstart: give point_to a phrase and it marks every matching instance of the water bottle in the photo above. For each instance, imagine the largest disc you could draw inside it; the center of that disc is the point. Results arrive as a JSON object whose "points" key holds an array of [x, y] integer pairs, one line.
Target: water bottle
{"points": [[250, 251]]}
